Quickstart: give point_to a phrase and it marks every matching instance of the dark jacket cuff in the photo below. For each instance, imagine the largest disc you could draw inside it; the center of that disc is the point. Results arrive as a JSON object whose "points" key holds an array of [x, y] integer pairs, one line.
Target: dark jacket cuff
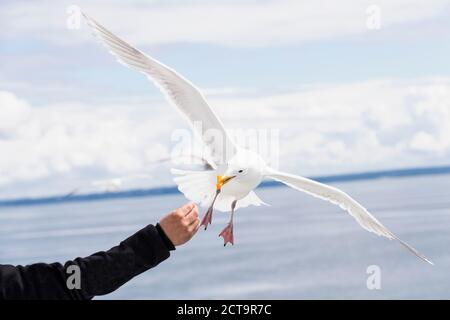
{"points": [[165, 238]]}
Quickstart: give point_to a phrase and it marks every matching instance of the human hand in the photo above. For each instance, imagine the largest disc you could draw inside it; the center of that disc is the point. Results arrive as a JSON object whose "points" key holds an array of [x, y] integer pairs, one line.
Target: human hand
{"points": [[181, 224]]}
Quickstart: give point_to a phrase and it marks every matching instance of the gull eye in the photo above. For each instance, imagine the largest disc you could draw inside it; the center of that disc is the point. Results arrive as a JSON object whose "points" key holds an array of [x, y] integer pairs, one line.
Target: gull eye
{"points": [[240, 171]]}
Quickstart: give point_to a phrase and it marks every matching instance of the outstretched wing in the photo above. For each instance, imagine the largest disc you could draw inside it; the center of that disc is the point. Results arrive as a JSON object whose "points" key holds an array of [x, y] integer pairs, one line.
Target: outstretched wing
{"points": [[336, 196], [181, 92]]}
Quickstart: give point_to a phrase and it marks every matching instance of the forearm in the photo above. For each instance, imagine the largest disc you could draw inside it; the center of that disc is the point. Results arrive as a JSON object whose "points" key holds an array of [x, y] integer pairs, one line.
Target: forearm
{"points": [[100, 273]]}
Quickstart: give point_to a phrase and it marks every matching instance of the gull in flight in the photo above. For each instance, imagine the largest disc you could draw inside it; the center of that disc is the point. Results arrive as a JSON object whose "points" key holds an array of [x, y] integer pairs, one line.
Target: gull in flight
{"points": [[236, 171]]}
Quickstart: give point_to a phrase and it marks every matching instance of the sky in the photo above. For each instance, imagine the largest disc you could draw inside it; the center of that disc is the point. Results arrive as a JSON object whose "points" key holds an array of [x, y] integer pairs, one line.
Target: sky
{"points": [[348, 86]]}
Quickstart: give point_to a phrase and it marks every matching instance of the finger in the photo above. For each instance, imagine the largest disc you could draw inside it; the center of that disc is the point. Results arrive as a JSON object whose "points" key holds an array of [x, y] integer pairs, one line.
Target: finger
{"points": [[191, 217], [194, 226], [187, 208]]}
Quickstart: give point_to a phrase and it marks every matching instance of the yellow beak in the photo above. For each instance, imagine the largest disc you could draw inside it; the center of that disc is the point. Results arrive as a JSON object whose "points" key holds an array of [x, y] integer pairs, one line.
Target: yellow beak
{"points": [[221, 180]]}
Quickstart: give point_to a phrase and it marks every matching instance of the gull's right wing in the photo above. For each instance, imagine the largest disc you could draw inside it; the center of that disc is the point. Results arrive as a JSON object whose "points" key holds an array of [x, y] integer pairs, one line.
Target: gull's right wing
{"points": [[181, 92]]}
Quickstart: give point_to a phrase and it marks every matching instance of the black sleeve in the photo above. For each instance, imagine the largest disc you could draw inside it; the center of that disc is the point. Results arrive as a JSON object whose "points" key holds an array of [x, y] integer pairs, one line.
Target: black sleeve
{"points": [[100, 273]]}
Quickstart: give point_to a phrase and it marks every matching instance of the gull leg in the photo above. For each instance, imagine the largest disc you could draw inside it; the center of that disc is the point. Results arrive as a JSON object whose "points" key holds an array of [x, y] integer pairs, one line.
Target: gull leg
{"points": [[207, 219], [227, 233]]}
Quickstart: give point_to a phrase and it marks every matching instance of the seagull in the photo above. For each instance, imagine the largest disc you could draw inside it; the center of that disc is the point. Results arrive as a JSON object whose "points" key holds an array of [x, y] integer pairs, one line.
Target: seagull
{"points": [[236, 171]]}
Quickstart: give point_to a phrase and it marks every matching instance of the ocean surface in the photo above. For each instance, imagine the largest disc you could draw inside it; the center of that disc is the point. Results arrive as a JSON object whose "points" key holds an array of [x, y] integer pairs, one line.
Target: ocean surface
{"points": [[297, 248]]}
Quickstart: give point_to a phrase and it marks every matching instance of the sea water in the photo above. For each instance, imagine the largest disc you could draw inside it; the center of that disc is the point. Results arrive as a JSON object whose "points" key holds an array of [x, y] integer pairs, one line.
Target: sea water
{"points": [[298, 248]]}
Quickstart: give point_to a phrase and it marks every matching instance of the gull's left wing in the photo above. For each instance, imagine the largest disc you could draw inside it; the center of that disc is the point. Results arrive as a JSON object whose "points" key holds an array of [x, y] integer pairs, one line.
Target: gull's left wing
{"points": [[340, 198], [181, 92]]}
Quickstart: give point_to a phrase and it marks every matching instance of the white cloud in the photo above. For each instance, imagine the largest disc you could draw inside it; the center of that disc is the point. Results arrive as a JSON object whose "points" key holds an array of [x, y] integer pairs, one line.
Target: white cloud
{"points": [[357, 126], [325, 129], [41, 142], [424, 141], [245, 23]]}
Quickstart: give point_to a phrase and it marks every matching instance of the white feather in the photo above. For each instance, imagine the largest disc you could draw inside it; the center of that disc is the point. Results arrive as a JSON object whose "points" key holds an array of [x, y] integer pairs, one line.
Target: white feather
{"points": [[340, 198], [178, 90]]}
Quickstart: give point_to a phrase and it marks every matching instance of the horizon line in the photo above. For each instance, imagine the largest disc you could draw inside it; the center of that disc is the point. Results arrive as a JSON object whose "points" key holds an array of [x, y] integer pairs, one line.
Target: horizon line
{"points": [[168, 190]]}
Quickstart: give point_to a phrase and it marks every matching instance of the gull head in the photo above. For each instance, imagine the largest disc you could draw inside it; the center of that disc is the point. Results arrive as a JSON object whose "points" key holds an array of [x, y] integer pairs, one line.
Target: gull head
{"points": [[244, 171]]}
